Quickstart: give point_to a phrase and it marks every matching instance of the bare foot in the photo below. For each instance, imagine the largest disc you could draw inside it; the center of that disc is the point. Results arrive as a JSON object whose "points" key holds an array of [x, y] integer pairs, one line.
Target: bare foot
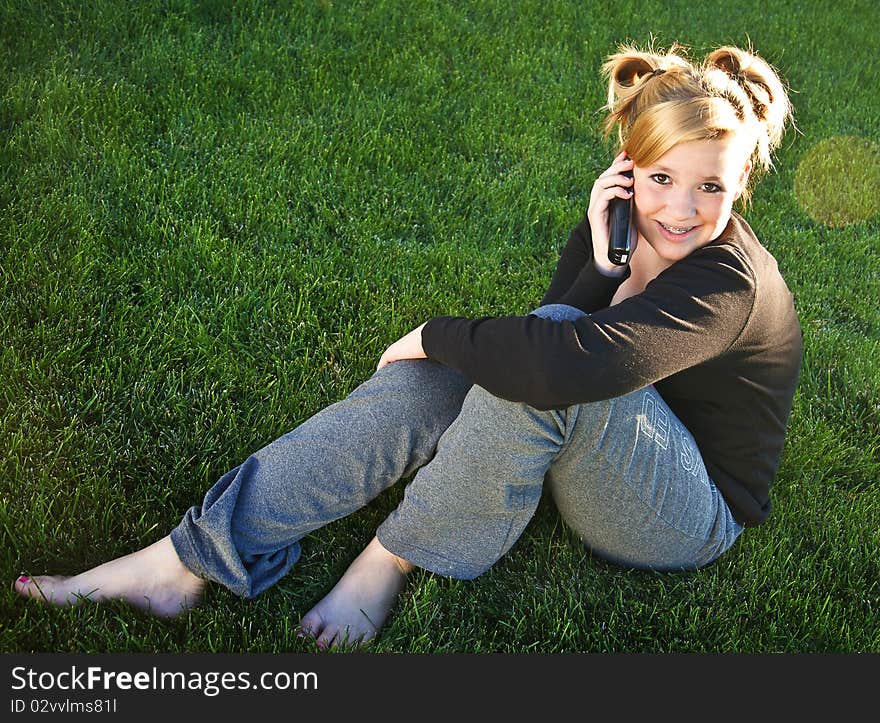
{"points": [[355, 609], [153, 579]]}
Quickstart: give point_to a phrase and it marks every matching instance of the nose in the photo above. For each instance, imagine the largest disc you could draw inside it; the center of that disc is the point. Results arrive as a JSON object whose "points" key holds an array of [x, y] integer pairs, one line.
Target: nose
{"points": [[681, 204]]}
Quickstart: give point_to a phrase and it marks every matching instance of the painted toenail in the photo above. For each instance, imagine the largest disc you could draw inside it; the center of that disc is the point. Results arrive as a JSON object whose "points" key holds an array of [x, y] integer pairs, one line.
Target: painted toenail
{"points": [[24, 579]]}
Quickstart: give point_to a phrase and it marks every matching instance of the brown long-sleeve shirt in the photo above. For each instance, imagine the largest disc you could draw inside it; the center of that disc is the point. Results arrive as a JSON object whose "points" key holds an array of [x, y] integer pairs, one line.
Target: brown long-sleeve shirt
{"points": [[716, 333]]}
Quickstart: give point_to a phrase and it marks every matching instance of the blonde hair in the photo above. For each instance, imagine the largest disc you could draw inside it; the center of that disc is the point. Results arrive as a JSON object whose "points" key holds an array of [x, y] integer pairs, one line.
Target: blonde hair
{"points": [[657, 100]]}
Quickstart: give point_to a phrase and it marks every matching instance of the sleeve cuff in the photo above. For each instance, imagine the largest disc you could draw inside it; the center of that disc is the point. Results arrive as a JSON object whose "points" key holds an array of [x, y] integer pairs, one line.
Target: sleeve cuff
{"points": [[592, 290], [432, 336]]}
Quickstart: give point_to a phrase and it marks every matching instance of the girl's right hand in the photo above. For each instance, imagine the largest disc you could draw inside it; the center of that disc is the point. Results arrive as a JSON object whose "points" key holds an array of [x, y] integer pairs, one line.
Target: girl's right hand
{"points": [[611, 184]]}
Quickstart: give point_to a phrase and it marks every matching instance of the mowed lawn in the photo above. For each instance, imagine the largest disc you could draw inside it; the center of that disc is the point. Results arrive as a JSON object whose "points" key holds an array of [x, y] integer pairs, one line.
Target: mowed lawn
{"points": [[215, 216]]}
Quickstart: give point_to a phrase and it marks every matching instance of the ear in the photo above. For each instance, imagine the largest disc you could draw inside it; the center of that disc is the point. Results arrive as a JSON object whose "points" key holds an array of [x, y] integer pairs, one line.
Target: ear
{"points": [[744, 178]]}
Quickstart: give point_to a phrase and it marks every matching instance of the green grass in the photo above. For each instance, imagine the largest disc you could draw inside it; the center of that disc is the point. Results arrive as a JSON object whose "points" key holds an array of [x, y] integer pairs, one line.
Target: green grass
{"points": [[216, 216]]}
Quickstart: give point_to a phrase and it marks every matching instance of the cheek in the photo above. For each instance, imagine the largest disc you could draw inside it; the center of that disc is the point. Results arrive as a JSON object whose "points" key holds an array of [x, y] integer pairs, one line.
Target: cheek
{"points": [[646, 198], [716, 206]]}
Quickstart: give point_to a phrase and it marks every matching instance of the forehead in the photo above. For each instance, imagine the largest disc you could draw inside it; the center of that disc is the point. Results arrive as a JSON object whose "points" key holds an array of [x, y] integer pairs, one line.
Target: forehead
{"points": [[707, 158]]}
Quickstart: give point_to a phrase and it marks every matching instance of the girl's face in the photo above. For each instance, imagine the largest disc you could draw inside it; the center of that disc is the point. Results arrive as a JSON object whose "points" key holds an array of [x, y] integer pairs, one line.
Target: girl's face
{"points": [[683, 200]]}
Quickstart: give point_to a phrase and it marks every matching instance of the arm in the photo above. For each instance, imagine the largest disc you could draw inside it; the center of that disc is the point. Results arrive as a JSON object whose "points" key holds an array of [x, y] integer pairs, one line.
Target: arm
{"points": [[577, 252], [584, 277], [577, 282], [690, 313]]}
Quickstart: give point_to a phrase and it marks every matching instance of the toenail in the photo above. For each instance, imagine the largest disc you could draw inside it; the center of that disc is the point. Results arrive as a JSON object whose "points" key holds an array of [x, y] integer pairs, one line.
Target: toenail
{"points": [[24, 579]]}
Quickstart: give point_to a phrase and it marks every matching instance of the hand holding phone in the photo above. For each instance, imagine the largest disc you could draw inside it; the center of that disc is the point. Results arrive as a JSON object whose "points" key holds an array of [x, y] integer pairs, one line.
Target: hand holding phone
{"points": [[610, 215]]}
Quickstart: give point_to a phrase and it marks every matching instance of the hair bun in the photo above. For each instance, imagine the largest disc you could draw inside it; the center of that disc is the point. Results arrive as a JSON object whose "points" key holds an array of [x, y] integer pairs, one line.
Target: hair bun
{"points": [[631, 69], [767, 96], [630, 65], [728, 59]]}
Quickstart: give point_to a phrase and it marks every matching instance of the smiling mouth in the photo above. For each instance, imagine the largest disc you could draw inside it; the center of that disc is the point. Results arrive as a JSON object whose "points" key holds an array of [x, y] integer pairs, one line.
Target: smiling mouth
{"points": [[678, 231]]}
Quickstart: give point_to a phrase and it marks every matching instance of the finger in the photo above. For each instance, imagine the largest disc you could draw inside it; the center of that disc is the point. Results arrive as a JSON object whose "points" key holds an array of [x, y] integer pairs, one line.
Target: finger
{"points": [[616, 192], [615, 180], [604, 197], [617, 166], [605, 187]]}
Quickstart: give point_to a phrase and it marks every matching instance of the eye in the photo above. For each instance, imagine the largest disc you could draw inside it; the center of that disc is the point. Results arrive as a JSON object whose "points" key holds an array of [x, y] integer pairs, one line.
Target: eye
{"points": [[660, 178], [712, 188]]}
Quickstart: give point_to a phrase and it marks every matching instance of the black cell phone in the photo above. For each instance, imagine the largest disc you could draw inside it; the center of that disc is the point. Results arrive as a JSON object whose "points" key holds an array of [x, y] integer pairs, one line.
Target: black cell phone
{"points": [[620, 242]]}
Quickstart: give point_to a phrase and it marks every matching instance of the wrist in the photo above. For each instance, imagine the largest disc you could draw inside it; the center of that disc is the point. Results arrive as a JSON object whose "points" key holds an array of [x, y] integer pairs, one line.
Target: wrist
{"points": [[610, 270]]}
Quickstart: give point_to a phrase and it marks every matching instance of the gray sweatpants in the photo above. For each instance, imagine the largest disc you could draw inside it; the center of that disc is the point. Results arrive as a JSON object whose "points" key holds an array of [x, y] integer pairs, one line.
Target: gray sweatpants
{"points": [[624, 473]]}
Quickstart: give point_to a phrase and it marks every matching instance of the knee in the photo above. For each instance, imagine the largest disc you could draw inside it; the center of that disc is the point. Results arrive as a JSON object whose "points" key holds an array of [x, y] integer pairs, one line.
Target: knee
{"points": [[485, 406], [414, 389], [495, 411], [558, 312], [421, 376]]}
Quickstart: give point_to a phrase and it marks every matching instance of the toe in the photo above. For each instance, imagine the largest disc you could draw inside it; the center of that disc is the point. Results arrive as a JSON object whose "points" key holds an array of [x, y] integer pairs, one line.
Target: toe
{"points": [[349, 639], [39, 588], [327, 636], [53, 590], [30, 586], [312, 624]]}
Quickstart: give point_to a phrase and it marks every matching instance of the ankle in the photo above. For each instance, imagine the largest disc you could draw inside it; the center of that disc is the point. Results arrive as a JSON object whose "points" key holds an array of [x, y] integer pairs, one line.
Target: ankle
{"points": [[404, 566], [165, 557]]}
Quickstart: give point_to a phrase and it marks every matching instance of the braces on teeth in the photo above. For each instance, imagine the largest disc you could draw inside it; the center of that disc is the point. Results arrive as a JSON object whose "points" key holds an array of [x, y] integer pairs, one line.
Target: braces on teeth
{"points": [[676, 230]]}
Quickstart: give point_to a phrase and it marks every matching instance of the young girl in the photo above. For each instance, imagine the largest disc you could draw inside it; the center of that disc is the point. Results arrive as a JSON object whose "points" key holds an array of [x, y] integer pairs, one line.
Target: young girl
{"points": [[652, 399]]}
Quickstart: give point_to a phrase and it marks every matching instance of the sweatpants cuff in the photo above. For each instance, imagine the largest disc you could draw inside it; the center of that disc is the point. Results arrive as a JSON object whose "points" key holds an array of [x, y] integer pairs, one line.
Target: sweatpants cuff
{"points": [[426, 559], [186, 551]]}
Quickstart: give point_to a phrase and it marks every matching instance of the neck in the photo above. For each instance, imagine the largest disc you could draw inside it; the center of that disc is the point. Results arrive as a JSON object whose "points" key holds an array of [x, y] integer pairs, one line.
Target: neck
{"points": [[646, 264]]}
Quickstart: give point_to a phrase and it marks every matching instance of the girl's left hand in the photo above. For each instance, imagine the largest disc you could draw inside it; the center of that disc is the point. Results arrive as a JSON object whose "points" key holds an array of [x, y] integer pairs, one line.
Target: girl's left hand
{"points": [[407, 347]]}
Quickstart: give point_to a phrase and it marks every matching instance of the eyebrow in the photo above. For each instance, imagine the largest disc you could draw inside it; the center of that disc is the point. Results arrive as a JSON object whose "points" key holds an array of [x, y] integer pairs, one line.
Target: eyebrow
{"points": [[669, 173]]}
